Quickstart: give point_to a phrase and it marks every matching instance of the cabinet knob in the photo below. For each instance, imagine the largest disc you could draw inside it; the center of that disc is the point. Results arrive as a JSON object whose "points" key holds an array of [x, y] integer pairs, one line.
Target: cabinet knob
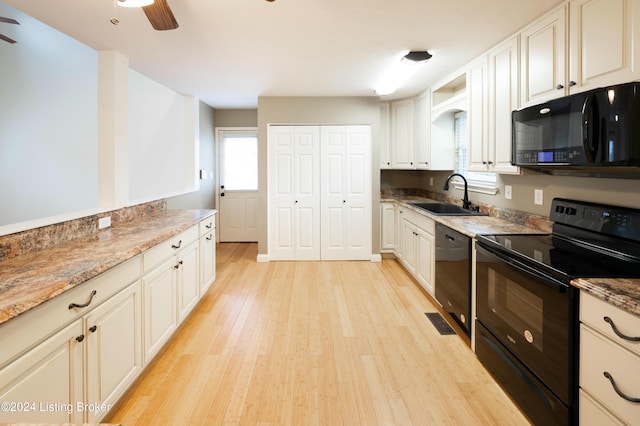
{"points": [[572, 83], [178, 265], [173, 246], [93, 328], [80, 338], [490, 162], [484, 162], [559, 87]]}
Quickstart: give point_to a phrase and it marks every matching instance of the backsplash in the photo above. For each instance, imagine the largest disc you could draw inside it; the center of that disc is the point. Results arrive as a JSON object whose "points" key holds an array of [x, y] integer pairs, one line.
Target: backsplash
{"points": [[33, 240], [542, 223]]}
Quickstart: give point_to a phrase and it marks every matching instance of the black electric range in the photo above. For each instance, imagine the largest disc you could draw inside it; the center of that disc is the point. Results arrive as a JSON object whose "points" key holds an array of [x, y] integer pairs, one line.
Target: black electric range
{"points": [[588, 240]]}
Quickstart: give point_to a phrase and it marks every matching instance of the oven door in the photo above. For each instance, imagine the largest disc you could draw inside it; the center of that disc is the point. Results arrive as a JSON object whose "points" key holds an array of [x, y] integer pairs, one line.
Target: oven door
{"points": [[531, 314]]}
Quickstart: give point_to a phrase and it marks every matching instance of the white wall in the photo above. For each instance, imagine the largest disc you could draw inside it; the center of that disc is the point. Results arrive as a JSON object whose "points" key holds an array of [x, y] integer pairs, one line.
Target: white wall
{"points": [[80, 132], [48, 122]]}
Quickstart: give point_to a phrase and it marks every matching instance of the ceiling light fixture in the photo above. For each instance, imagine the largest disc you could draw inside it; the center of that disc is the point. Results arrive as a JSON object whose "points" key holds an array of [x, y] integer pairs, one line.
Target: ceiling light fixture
{"points": [[401, 71], [416, 57], [134, 3]]}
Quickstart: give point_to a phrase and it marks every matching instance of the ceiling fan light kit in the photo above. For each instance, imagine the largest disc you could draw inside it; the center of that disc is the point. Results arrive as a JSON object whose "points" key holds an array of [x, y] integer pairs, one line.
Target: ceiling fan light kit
{"points": [[134, 3]]}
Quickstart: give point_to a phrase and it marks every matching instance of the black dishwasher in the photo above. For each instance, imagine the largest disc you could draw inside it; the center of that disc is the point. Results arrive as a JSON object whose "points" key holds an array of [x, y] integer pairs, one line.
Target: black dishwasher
{"points": [[453, 274]]}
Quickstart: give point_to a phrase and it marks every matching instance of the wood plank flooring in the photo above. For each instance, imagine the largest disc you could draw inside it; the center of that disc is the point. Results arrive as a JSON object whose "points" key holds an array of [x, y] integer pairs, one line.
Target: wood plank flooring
{"points": [[317, 343]]}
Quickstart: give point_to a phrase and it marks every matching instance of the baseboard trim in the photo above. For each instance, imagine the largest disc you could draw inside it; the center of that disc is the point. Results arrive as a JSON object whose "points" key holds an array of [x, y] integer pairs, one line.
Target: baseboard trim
{"points": [[376, 257], [262, 258]]}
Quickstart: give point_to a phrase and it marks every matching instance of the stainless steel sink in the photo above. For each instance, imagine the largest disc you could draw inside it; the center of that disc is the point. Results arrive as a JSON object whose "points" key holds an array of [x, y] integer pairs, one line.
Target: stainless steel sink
{"points": [[445, 209]]}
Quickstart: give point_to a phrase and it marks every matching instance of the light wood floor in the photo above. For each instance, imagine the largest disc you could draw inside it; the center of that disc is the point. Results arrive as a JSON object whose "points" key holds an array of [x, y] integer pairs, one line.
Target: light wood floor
{"points": [[319, 343]]}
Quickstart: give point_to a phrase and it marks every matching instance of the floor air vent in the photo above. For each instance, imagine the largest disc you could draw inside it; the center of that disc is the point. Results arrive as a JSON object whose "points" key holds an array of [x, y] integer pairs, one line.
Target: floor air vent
{"points": [[439, 323]]}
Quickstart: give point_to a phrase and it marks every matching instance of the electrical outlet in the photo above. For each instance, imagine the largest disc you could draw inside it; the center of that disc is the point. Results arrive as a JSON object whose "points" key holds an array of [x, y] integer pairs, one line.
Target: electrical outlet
{"points": [[507, 192], [104, 222], [430, 181], [537, 196]]}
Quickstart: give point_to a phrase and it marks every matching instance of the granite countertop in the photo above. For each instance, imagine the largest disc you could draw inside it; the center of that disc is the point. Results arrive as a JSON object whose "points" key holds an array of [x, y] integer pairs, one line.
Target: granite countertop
{"points": [[30, 280], [468, 225], [621, 292]]}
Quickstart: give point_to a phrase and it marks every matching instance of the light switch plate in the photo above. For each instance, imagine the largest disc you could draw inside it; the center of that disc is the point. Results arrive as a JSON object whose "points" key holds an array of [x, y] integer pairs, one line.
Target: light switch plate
{"points": [[537, 196], [507, 192]]}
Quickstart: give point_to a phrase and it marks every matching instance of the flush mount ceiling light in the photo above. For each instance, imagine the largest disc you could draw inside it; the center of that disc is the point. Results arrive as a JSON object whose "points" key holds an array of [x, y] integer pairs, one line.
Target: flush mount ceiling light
{"points": [[400, 71], [134, 3], [416, 57]]}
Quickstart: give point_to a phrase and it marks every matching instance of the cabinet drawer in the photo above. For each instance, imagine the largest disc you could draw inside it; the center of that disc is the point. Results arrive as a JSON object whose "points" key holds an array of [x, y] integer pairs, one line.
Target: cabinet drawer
{"points": [[593, 414], [598, 355], [421, 221], [206, 226], [154, 256], [593, 311], [28, 329]]}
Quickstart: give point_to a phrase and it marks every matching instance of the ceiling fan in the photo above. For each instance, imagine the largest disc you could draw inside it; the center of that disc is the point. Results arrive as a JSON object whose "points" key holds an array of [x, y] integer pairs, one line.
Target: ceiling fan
{"points": [[158, 12], [8, 21]]}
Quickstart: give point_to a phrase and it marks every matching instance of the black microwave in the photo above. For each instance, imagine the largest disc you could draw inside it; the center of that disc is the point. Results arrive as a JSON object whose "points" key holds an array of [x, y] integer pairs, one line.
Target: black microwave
{"points": [[599, 128]]}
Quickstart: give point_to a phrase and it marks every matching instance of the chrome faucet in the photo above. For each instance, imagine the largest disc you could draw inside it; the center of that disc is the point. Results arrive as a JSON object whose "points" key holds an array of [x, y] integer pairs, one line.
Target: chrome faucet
{"points": [[465, 200]]}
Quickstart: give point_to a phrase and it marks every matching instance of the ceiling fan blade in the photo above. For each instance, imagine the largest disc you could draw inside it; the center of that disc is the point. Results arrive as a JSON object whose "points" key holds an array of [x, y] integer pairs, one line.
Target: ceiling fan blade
{"points": [[9, 20], [160, 16], [7, 39]]}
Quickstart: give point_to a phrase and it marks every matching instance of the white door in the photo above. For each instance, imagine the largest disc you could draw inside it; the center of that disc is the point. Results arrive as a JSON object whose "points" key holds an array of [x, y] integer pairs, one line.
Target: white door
{"points": [[346, 192], [238, 179], [294, 193]]}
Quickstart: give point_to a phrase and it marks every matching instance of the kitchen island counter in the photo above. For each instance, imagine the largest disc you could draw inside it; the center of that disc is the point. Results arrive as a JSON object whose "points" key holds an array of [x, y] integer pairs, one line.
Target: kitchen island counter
{"points": [[30, 280]]}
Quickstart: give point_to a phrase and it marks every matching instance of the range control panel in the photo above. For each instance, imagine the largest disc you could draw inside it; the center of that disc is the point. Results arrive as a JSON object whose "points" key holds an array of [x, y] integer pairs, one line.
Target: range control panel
{"points": [[611, 220]]}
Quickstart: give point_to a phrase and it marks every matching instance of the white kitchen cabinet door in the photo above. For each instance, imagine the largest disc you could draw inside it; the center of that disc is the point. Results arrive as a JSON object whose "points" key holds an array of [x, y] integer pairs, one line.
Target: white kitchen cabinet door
{"points": [[477, 117], [187, 280], [503, 99], [114, 354], [402, 134], [604, 44], [387, 227], [294, 193], [409, 246], [385, 135], [346, 192], [207, 261], [422, 142], [543, 65], [45, 384], [160, 313], [425, 260]]}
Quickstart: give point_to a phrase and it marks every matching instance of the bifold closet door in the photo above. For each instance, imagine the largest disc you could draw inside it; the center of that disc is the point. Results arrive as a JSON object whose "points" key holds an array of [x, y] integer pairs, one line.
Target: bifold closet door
{"points": [[346, 192], [294, 193]]}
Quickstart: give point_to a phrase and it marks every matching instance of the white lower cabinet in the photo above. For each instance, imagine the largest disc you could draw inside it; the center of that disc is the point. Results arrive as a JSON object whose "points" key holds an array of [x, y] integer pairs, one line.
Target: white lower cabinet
{"points": [[609, 364], [113, 343], [387, 227], [45, 383], [418, 248], [71, 359], [207, 247], [160, 316]]}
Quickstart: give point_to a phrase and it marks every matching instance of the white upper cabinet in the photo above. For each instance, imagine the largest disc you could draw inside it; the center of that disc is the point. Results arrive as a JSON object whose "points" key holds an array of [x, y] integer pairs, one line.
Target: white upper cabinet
{"points": [[604, 44], [582, 45], [492, 84], [385, 135], [543, 62], [402, 134], [503, 99]]}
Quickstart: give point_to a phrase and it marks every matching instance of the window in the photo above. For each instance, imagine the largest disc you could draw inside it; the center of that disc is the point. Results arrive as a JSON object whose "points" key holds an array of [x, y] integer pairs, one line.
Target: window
{"points": [[239, 160], [478, 182]]}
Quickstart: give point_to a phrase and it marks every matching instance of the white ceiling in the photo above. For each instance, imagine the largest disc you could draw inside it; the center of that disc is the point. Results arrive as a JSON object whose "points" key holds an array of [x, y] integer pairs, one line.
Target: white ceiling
{"points": [[229, 52]]}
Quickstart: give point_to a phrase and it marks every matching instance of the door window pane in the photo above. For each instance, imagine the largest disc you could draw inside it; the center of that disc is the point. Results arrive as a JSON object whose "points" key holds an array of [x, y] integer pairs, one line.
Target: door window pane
{"points": [[239, 162]]}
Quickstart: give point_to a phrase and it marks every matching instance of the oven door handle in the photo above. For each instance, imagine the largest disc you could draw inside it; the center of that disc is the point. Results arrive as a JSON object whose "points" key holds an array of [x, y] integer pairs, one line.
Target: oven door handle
{"points": [[536, 274]]}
